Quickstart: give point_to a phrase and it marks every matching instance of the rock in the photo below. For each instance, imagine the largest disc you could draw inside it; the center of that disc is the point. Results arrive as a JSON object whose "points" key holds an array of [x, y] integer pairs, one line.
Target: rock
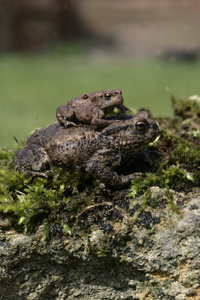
{"points": [[155, 260]]}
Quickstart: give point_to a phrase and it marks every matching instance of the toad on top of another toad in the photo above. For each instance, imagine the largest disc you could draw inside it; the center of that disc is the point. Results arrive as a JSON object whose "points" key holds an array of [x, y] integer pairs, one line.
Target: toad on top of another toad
{"points": [[91, 108], [99, 152]]}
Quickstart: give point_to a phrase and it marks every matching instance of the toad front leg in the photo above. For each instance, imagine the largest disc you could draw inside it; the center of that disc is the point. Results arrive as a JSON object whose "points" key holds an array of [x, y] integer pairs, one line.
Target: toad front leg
{"points": [[97, 121], [123, 110], [108, 176]]}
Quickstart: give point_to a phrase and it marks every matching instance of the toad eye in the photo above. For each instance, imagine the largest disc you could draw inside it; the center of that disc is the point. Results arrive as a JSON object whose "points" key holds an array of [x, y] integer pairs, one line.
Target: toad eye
{"points": [[107, 96], [141, 126]]}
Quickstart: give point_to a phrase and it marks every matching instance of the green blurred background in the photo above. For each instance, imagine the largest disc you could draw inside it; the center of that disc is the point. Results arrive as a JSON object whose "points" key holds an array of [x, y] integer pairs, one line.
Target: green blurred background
{"points": [[39, 72]]}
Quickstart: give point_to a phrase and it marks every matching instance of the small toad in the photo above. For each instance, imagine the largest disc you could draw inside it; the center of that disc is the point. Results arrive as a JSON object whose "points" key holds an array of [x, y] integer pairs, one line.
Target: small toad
{"points": [[99, 152], [91, 108]]}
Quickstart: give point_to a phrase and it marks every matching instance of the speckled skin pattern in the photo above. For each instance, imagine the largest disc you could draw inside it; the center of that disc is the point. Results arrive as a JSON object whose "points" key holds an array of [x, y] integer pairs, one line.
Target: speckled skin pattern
{"points": [[91, 108], [98, 151]]}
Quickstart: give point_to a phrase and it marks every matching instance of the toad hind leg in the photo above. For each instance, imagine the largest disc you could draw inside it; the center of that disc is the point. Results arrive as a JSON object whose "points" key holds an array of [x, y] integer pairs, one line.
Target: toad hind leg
{"points": [[108, 176], [62, 112], [26, 162]]}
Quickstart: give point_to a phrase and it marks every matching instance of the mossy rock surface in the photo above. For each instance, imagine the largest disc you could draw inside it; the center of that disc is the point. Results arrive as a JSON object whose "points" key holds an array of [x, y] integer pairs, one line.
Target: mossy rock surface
{"points": [[70, 237]]}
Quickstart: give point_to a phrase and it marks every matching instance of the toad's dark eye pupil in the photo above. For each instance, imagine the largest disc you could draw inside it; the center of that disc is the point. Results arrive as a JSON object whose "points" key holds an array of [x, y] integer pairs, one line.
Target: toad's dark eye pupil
{"points": [[140, 126], [107, 96]]}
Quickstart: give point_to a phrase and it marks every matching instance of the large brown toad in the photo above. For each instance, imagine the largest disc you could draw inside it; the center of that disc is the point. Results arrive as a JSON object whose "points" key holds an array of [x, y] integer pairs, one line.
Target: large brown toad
{"points": [[91, 108], [98, 151]]}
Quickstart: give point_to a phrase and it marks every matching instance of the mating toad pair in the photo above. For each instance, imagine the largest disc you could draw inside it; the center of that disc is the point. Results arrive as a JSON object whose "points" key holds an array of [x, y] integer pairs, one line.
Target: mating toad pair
{"points": [[89, 139]]}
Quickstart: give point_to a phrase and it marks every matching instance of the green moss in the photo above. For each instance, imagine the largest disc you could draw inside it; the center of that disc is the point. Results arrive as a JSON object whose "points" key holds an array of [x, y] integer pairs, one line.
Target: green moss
{"points": [[29, 201], [186, 152], [179, 171], [68, 201]]}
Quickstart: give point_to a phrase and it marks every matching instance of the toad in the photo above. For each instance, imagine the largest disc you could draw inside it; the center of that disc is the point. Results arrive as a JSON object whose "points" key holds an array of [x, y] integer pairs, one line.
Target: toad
{"points": [[91, 108], [99, 152]]}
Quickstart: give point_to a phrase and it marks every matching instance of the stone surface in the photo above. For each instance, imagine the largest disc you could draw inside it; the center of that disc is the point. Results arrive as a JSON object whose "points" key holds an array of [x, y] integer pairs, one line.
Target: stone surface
{"points": [[156, 256]]}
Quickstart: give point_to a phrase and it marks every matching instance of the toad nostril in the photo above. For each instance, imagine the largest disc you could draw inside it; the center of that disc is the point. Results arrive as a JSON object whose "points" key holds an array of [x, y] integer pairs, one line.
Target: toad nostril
{"points": [[154, 125]]}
